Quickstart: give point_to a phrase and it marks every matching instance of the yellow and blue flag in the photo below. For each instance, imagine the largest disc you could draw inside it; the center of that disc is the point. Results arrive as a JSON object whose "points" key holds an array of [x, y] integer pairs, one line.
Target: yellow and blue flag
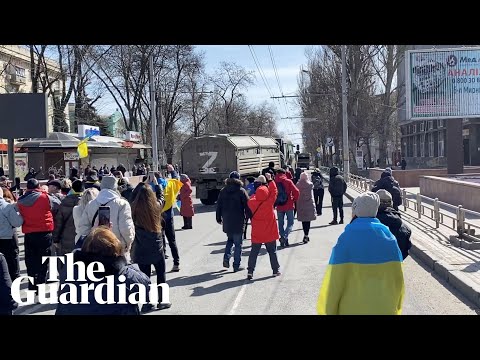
{"points": [[171, 192], [364, 275], [82, 148]]}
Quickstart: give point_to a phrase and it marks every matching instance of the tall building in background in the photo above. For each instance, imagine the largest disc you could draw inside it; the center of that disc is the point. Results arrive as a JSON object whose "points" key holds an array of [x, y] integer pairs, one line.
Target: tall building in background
{"points": [[15, 77], [424, 142], [116, 125]]}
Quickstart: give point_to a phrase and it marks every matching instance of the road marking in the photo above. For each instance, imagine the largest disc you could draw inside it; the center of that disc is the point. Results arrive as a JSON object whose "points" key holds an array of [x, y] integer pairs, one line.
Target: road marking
{"points": [[238, 298]]}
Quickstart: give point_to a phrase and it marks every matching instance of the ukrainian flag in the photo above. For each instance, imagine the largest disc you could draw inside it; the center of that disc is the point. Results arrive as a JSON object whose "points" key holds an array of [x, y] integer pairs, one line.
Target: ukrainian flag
{"points": [[364, 275], [82, 148], [170, 193]]}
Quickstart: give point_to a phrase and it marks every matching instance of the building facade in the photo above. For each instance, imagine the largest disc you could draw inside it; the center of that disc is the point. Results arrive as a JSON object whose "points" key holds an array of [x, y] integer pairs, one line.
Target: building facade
{"points": [[15, 77], [424, 142]]}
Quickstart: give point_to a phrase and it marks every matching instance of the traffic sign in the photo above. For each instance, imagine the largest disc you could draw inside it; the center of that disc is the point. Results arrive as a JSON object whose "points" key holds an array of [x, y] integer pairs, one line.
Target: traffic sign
{"points": [[330, 141], [319, 149]]}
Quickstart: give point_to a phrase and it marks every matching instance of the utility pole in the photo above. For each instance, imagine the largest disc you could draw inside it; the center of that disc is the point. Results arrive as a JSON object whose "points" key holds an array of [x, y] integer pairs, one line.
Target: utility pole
{"points": [[161, 130], [153, 116], [346, 163]]}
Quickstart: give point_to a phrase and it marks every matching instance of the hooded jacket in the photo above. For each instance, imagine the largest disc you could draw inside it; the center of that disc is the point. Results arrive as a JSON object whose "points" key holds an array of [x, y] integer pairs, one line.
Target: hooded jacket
{"points": [[264, 223], [120, 216], [317, 180], [388, 183], [232, 208], [337, 186], [113, 266], [64, 232], [290, 189], [391, 218], [9, 219], [36, 208], [186, 207], [306, 209]]}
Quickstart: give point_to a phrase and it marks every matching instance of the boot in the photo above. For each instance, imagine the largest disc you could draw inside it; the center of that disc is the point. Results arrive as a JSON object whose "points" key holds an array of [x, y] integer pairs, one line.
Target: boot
{"points": [[185, 223], [190, 226]]}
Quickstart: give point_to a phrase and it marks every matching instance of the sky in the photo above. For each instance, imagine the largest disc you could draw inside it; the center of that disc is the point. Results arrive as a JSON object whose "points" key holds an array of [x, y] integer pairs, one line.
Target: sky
{"points": [[288, 61]]}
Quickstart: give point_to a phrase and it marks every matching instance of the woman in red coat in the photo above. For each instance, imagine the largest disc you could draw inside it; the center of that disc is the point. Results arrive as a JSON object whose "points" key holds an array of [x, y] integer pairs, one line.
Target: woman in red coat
{"points": [[186, 207], [264, 224]]}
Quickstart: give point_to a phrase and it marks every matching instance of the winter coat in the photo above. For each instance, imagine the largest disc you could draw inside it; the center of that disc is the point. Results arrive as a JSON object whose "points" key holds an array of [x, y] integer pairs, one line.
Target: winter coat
{"points": [[388, 183], [147, 248], [7, 304], [317, 180], [77, 213], [64, 233], [113, 266], [364, 275], [391, 218], [9, 219], [126, 192], [186, 208], [120, 216], [306, 209], [36, 208], [232, 208], [337, 186], [264, 223], [291, 190], [268, 170]]}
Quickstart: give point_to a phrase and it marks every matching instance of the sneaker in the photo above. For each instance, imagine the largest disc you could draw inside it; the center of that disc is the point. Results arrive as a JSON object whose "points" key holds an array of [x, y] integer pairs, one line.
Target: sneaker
{"points": [[249, 276], [286, 243], [277, 273], [334, 222], [226, 264], [305, 239], [282, 242], [164, 306], [176, 268], [146, 308], [240, 268], [341, 221]]}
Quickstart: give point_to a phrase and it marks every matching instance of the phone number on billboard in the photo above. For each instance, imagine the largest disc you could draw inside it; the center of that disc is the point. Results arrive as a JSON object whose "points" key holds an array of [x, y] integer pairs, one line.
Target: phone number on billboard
{"points": [[465, 80]]}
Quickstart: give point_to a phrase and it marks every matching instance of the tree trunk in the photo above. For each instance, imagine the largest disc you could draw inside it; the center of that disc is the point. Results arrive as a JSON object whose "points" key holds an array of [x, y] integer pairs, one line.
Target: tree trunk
{"points": [[59, 123]]}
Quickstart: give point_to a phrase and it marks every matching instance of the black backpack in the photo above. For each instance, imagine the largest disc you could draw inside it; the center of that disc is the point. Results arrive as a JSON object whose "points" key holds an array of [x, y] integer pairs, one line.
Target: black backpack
{"points": [[282, 196]]}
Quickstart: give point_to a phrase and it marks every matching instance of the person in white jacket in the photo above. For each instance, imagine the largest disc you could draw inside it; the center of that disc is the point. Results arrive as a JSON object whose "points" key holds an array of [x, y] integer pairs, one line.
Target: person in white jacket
{"points": [[87, 196], [120, 213]]}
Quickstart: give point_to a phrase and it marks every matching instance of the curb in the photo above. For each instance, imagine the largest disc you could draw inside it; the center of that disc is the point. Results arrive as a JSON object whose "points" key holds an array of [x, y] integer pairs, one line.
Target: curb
{"points": [[455, 278]]}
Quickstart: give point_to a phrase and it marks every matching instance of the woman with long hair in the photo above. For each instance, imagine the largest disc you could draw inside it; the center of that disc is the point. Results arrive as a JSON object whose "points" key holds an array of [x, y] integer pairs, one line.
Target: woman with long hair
{"points": [[87, 196], [147, 248], [306, 210]]}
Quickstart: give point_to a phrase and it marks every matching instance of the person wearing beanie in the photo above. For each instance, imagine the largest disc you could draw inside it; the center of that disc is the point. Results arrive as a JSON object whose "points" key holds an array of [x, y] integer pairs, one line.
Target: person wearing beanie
{"points": [[269, 169], [337, 188], [232, 212], [120, 213], [364, 275], [91, 180], [264, 226], [390, 217], [37, 209], [318, 190], [64, 233], [306, 211], [186, 206]]}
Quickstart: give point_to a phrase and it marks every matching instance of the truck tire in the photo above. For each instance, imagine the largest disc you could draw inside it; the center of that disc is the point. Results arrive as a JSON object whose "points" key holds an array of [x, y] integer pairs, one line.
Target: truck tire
{"points": [[212, 197]]}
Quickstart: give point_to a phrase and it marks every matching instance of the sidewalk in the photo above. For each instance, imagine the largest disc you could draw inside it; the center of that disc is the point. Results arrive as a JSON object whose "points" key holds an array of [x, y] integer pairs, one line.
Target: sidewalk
{"points": [[458, 266]]}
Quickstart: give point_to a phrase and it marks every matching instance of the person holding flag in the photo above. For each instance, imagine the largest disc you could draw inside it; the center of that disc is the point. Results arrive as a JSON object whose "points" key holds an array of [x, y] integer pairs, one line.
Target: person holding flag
{"points": [[170, 192]]}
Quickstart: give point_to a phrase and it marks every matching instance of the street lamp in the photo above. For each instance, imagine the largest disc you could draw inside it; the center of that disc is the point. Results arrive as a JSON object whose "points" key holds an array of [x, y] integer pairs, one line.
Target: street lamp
{"points": [[346, 163]]}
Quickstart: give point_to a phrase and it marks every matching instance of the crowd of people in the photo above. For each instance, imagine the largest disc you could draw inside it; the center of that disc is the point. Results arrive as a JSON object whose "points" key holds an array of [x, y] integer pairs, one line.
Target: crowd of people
{"points": [[63, 217]]}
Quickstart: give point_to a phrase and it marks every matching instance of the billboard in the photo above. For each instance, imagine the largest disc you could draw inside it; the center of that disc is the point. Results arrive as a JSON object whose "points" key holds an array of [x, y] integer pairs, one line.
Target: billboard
{"points": [[443, 83], [133, 136], [87, 131], [23, 116]]}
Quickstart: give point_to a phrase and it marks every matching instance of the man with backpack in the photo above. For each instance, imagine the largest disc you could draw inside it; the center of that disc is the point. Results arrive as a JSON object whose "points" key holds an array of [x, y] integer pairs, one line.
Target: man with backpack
{"points": [[337, 188], [287, 197], [318, 191]]}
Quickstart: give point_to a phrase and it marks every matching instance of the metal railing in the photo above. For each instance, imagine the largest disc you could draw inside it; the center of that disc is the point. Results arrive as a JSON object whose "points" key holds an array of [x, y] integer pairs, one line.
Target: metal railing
{"points": [[427, 207]]}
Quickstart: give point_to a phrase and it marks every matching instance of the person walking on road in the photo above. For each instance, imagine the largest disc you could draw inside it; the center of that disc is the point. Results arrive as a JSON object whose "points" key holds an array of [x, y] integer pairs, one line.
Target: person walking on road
{"points": [[7, 304], [364, 275], [387, 182], [147, 248], [10, 219], [337, 188], [318, 190], [392, 218], [232, 212], [306, 212], [287, 197], [186, 206], [264, 226]]}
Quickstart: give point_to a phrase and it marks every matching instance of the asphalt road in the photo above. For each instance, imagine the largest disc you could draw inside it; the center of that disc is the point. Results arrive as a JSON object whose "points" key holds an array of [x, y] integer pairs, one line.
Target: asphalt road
{"points": [[203, 286]]}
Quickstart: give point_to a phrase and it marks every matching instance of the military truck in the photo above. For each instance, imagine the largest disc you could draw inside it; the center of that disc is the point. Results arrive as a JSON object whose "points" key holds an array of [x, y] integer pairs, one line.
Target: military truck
{"points": [[287, 152], [303, 161], [209, 159]]}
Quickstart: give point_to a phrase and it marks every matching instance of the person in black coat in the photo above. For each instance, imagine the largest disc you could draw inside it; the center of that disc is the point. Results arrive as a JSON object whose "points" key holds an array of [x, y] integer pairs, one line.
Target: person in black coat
{"points": [[337, 188], [270, 169], [101, 245], [7, 304], [392, 219], [387, 182], [147, 248], [232, 212]]}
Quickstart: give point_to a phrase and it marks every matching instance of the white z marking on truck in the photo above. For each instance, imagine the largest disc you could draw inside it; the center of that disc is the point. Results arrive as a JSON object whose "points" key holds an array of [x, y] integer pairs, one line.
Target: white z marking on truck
{"points": [[206, 169]]}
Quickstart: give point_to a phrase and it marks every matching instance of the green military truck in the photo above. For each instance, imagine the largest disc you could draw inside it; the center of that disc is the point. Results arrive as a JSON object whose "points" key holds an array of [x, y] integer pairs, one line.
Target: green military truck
{"points": [[209, 159]]}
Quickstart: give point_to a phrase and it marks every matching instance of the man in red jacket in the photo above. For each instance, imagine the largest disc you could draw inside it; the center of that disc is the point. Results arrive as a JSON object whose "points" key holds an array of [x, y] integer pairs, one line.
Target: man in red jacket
{"points": [[285, 207], [36, 209]]}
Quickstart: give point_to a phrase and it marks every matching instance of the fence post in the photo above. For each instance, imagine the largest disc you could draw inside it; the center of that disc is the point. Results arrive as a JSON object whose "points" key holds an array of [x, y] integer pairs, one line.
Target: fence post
{"points": [[370, 185], [405, 205], [419, 205], [436, 212], [460, 220]]}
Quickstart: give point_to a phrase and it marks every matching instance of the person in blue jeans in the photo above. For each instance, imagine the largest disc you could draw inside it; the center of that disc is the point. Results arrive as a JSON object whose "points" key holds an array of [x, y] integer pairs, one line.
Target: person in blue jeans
{"points": [[232, 211], [287, 207]]}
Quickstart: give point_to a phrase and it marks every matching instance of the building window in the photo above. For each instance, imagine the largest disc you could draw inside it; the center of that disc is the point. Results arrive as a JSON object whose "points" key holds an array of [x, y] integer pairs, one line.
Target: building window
{"points": [[441, 143], [20, 72], [422, 145], [414, 128], [441, 123], [431, 146], [415, 154], [422, 126]]}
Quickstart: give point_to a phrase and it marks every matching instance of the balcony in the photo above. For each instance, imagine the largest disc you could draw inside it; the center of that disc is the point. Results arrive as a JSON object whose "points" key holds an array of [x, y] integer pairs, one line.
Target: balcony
{"points": [[16, 79]]}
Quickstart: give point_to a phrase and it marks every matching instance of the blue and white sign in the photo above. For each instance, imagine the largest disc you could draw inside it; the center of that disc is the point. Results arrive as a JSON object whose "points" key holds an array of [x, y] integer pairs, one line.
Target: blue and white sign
{"points": [[87, 131]]}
